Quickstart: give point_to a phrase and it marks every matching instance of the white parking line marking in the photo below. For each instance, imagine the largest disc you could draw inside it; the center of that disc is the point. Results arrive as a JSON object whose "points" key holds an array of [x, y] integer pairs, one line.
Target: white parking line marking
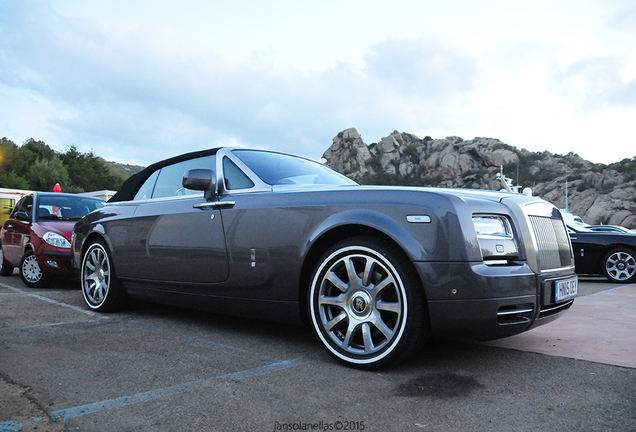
{"points": [[59, 303], [65, 414], [33, 326]]}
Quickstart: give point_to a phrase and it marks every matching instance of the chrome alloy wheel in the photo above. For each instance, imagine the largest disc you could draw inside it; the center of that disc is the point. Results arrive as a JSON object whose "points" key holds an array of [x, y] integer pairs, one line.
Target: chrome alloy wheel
{"points": [[358, 305], [30, 269], [95, 275], [620, 266]]}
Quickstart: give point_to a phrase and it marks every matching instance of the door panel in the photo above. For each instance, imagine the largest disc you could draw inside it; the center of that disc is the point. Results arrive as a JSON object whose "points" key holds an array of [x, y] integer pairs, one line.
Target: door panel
{"points": [[9, 239], [172, 241], [17, 233]]}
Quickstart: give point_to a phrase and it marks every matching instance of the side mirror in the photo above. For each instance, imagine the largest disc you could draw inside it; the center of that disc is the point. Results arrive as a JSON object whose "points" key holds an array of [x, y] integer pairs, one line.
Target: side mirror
{"points": [[22, 216], [200, 179]]}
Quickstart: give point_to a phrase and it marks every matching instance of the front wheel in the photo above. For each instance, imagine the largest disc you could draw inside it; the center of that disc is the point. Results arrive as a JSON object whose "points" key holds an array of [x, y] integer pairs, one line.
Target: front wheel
{"points": [[619, 265], [366, 303], [100, 287], [31, 273]]}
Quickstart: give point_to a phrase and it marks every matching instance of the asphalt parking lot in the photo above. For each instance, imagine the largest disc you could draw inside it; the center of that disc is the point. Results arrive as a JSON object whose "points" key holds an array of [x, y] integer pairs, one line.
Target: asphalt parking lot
{"points": [[155, 368]]}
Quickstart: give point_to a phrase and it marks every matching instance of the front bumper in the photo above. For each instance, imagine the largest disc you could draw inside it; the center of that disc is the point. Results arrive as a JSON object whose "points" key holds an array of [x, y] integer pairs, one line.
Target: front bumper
{"points": [[472, 300], [55, 262]]}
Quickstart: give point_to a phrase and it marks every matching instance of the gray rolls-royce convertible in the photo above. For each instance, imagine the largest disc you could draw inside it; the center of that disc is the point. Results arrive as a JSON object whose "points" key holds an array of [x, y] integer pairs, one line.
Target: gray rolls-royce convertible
{"points": [[374, 271]]}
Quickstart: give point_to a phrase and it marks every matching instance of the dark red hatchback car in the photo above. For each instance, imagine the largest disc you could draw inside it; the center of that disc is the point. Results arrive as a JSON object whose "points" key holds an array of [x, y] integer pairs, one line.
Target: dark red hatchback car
{"points": [[37, 236]]}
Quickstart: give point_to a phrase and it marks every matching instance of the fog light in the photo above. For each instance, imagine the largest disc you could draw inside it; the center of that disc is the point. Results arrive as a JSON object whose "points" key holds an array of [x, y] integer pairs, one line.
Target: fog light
{"points": [[52, 263]]}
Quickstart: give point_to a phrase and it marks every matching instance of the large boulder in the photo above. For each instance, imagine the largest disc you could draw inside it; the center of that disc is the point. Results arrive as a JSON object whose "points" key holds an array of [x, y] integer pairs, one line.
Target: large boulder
{"points": [[597, 195]]}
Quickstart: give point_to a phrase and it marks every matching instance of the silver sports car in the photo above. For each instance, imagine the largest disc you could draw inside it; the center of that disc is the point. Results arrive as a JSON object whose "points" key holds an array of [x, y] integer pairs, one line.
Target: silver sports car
{"points": [[375, 271]]}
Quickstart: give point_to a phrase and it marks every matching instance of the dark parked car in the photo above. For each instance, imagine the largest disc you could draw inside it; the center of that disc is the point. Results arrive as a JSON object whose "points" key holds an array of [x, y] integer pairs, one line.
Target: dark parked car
{"points": [[374, 270], [610, 228], [37, 236], [611, 254]]}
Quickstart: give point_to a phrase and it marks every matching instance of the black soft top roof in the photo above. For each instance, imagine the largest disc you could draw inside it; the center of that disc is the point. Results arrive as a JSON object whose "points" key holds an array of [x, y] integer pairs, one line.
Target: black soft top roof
{"points": [[129, 189]]}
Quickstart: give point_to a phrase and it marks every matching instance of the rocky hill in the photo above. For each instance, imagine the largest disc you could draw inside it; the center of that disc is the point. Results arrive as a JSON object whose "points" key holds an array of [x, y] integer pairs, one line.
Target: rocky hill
{"points": [[600, 194]]}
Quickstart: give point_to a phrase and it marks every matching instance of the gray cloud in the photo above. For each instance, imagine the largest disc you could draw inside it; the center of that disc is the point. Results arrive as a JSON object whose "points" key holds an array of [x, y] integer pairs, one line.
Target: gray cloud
{"points": [[136, 94], [624, 19], [127, 97], [595, 83], [422, 68], [625, 94]]}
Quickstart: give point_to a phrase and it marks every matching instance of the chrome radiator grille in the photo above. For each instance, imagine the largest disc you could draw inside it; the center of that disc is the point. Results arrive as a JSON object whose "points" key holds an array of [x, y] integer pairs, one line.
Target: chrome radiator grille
{"points": [[553, 243]]}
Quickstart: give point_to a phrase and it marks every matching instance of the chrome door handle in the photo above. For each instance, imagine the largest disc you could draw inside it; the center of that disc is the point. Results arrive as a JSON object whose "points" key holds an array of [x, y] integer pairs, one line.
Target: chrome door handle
{"points": [[214, 205]]}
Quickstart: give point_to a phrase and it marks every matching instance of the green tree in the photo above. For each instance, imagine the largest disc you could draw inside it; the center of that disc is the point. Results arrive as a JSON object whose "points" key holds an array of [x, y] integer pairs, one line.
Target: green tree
{"points": [[90, 172], [8, 151], [21, 159], [35, 165], [13, 181], [39, 149], [45, 173]]}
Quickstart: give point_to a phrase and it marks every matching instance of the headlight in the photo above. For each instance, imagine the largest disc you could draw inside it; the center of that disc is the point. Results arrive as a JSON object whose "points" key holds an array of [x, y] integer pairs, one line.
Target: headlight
{"points": [[492, 225], [55, 239], [496, 239]]}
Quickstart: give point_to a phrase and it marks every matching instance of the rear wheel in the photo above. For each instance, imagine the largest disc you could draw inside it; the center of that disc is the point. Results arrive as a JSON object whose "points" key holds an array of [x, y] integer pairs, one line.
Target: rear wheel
{"points": [[31, 273], [366, 303], [100, 287], [619, 265], [6, 268]]}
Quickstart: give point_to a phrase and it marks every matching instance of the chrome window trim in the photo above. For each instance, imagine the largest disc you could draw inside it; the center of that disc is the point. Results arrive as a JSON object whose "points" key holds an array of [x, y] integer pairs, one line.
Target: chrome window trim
{"points": [[259, 185], [154, 200]]}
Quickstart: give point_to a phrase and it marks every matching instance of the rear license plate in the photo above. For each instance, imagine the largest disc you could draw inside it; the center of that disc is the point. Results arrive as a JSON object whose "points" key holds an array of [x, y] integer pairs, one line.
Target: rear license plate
{"points": [[565, 289]]}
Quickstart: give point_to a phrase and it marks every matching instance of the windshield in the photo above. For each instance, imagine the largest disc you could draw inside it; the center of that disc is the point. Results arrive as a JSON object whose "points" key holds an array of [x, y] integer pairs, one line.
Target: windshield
{"points": [[281, 169], [577, 228], [68, 208]]}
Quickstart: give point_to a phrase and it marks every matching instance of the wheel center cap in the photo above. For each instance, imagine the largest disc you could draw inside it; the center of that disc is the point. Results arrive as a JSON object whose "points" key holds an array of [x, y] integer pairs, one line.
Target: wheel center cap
{"points": [[360, 303], [621, 266]]}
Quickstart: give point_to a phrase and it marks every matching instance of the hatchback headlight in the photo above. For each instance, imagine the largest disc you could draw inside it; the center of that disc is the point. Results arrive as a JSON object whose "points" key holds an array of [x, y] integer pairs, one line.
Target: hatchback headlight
{"points": [[57, 240]]}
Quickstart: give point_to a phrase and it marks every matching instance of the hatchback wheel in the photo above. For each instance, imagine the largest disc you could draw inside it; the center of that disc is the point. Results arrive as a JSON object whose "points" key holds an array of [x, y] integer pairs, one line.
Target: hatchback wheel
{"points": [[366, 303], [6, 269], [100, 287], [31, 273], [619, 265]]}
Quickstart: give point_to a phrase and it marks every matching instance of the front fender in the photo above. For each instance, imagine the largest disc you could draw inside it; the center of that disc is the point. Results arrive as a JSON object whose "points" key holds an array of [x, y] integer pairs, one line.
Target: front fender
{"points": [[374, 220]]}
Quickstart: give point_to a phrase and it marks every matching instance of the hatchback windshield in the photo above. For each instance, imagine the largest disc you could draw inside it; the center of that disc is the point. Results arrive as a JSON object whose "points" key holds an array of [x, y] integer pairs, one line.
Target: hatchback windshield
{"points": [[281, 169], [65, 207]]}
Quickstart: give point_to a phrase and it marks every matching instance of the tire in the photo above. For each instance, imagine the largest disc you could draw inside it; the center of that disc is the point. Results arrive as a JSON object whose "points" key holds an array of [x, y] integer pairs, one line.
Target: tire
{"points": [[100, 288], [366, 303], [6, 268], [31, 273], [619, 266]]}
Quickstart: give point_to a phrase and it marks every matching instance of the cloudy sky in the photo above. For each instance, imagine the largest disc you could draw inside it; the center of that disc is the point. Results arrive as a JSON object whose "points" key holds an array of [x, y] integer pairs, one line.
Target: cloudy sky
{"points": [[138, 81]]}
